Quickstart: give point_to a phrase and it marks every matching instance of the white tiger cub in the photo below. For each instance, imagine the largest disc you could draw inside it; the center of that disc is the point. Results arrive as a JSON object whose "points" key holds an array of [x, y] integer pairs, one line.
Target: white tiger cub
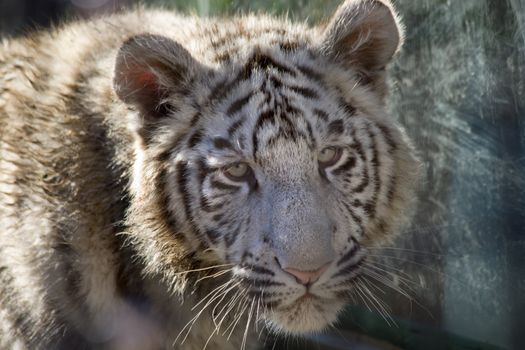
{"points": [[174, 182]]}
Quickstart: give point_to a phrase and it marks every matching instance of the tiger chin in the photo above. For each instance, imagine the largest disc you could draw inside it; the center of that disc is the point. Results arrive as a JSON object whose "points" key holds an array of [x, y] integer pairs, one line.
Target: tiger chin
{"points": [[176, 182]]}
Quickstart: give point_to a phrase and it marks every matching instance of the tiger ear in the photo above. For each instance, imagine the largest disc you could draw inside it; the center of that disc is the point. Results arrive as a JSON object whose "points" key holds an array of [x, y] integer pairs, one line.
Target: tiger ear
{"points": [[363, 35], [150, 70]]}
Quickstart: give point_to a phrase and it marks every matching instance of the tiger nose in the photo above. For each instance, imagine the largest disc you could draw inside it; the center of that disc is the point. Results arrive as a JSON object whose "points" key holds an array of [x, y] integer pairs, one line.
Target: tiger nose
{"points": [[307, 277]]}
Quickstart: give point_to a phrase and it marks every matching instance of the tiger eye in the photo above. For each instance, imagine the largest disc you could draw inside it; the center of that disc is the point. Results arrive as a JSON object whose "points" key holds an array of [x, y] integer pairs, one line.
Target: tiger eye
{"points": [[237, 171], [329, 156]]}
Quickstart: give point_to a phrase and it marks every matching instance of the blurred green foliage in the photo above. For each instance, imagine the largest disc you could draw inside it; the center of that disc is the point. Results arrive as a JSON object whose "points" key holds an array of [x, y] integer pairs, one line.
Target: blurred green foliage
{"points": [[312, 11]]}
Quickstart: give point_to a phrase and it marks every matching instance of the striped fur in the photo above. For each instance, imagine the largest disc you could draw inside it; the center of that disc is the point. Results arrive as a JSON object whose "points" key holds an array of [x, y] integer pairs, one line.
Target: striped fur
{"points": [[115, 137]]}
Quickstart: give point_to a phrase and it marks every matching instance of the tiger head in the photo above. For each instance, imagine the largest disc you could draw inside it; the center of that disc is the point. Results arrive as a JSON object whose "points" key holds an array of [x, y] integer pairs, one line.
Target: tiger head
{"points": [[277, 159]]}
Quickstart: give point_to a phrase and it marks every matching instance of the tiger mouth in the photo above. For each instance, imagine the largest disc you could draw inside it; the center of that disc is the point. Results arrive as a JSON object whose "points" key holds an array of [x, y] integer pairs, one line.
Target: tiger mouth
{"points": [[305, 301], [307, 296]]}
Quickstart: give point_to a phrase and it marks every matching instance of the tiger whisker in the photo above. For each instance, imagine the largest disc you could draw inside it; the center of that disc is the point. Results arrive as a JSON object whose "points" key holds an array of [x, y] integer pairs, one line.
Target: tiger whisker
{"points": [[405, 276], [215, 275], [372, 301], [417, 264], [410, 299], [386, 282], [406, 282], [228, 307], [427, 228], [219, 288], [224, 310], [389, 284], [202, 269], [222, 293], [250, 315], [216, 316], [358, 292], [214, 294], [384, 309], [257, 316], [406, 250], [237, 317], [208, 340], [217, 325]]}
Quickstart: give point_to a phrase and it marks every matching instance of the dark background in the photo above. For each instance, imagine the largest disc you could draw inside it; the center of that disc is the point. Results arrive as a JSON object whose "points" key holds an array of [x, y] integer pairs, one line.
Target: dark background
{"points": [[458, 87]]}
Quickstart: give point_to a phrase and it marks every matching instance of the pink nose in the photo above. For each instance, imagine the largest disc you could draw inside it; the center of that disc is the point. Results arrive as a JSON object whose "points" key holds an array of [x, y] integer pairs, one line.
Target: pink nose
{"points": [[307, 277]]}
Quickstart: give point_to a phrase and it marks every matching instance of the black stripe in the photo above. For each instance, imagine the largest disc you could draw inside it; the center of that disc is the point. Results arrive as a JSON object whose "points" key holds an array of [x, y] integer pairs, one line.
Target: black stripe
{"points": [[321, 114], [310, 134], [207, 207], [213, 235], [358, 148], [352, 269], [336, 127], [268, 116], [259, 269], [224, 87], [195, 138], [218, 217], [356, 203], [182, 179], [258, 60], [238, 104], [269, 305], [370, 207], [346, 166], [218, 91], [348, 108], [261, 283], [222, 143], [223, 186], [263, 61], [288, 126], [289, 46], [364, 182], [390, 194], [246, 255], [234, 127], [164, 200], [166, 154], [356, 218], [203, 170], [304, 91], [311, 74], [290, 108], [195, 119], [350, 254], [231, 236], [388, 137], [275, 82]]}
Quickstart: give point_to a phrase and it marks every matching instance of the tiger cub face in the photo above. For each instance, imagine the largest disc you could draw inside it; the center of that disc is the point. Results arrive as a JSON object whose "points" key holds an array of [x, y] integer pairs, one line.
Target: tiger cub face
{"points": [[280, 161]]}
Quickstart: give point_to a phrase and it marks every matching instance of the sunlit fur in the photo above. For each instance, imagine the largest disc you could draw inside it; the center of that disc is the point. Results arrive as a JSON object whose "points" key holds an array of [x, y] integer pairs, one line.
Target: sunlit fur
{"points": [[119, 225]]}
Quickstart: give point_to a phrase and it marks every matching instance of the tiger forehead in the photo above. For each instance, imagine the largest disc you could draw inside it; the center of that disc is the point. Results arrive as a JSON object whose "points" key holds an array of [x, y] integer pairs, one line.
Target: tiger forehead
{"points": [[287, 159], [268, 68], [270, 102]]}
